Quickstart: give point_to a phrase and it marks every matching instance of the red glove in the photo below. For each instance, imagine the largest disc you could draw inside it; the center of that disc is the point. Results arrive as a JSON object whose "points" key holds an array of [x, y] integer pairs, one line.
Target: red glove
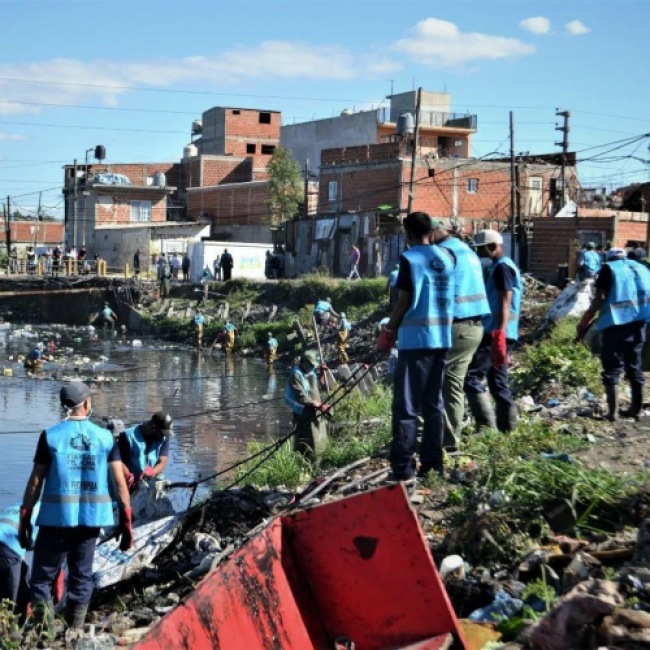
{"points": [[317, 405], [325, 408], [583, 325], [25, 530], [499, 352], [130, 480], [148, 472], [386, 341], [58, 587], [126, 529]]}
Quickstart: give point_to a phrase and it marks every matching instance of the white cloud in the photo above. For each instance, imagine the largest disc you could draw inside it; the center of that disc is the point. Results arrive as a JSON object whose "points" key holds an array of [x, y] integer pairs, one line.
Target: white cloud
{"points": [[440, 44], [536, 25], [577, 28], [4, 137]]}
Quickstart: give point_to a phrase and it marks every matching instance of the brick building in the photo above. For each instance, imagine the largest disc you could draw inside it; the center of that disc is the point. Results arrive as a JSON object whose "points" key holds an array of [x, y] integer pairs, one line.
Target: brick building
{"points": [[35, 233]]}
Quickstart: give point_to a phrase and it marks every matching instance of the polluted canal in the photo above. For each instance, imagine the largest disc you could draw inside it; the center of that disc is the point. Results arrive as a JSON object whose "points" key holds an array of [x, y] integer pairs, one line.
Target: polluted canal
{"points": [[136, 377]]}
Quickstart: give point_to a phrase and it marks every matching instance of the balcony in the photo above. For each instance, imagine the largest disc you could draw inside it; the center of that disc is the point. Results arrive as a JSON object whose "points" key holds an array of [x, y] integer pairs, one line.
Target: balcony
{"points": [[434, 119]]}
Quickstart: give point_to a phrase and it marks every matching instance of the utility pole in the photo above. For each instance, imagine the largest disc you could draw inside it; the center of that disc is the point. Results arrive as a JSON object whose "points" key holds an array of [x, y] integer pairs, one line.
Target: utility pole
{"points": [[416, 140], [513, 192], [305, 209], [38, 219], [74, 205], [565, 148], [8, 224]]}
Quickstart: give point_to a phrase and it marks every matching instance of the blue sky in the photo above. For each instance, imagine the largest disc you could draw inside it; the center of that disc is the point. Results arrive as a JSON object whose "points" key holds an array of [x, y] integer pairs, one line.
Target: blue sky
{"points": [[312, 59]]}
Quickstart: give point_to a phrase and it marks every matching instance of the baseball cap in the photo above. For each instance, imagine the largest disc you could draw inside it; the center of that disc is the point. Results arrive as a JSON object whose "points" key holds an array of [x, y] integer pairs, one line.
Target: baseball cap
{"points": [[115, 426], [311, 357], [487, 237], [162, 421], [74, 394], [616, 254]]}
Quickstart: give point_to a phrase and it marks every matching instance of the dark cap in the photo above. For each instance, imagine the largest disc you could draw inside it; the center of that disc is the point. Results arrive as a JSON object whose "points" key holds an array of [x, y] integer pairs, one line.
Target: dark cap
{"points": [[162, 421], [74, 394]]}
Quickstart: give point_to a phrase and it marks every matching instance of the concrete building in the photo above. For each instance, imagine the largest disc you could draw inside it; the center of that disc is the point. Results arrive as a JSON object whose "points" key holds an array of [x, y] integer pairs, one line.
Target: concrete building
{"points": [[39, 234], [442, 134]]}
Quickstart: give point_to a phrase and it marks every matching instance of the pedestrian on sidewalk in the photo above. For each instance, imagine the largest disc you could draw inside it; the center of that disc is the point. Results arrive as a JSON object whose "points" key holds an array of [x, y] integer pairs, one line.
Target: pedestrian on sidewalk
{"points": [[185, 267], [136, 262], [176, 266], [621, 301], [355, 256], [227, 264], [216, 266], [500, 333], [470, 306], [422, 319]]}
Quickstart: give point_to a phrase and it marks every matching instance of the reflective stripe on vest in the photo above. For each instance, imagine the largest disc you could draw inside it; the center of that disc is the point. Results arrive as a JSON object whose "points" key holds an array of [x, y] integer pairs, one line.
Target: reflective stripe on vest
{"points": [[427, 324], [10, 525], [76, 489], [290, 397], [628, 299], [592, 261], [470, 295], [140, 458], [490, 322]]}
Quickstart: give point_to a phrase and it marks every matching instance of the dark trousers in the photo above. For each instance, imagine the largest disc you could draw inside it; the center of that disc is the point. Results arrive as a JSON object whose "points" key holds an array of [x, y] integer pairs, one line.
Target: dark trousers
{"points": [[623, 350], [53, 546], [418, 391], [11, 574], [497, 378], [227, 273]]}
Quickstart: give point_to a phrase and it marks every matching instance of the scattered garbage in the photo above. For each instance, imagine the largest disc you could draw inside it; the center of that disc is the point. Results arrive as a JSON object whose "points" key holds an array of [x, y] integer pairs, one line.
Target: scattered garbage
{"points": [[503, 606]]}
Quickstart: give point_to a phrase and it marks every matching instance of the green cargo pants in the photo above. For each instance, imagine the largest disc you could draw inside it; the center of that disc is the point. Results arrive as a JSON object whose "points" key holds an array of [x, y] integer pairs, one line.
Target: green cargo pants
{"points": [[467, 336]]}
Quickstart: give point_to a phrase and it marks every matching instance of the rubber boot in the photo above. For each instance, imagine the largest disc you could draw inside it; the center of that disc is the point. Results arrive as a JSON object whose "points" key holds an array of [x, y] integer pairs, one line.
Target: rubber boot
{"points": [[480, 405], [611, 391], [635, 404], [75, 615], [506, 417], [44, 618]]}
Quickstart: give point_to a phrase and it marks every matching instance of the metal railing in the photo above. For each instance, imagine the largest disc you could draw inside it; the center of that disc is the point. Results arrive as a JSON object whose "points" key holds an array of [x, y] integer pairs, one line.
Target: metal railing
{"points": [[434, 118]]}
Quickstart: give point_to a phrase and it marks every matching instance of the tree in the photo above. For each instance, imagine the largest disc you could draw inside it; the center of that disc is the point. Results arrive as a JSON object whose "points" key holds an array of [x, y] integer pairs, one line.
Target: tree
{"points": [[285, 186]]}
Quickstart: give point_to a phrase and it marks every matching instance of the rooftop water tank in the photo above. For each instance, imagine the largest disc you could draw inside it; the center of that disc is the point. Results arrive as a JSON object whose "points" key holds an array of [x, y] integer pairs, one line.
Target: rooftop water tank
{"points": [[405, 124], [100, 152], [190, 151], [159, 179], [346, 111], [197, 127]]}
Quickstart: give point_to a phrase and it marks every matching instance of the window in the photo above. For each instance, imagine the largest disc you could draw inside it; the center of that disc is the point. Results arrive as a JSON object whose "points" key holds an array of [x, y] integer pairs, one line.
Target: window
{"points": [[265, 118], [432, 173], [472, 185], [332, 194], [140, 210], [268, 149], [236, 112], [251, 148]]}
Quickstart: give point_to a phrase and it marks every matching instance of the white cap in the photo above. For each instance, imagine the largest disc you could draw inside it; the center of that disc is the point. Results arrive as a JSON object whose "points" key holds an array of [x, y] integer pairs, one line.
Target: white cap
{"points": [[616, 254], [487, 237]]}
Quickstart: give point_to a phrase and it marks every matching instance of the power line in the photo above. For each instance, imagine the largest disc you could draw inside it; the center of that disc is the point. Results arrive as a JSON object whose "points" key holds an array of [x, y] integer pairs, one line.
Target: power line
{"points": [[92, 128]]}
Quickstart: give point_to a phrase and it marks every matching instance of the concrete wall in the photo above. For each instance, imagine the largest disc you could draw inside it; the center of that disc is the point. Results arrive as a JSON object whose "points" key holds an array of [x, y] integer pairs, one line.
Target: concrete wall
{"points": [[248, 258], [213, 136], [307, 140], [117, 246], [430, 101]]}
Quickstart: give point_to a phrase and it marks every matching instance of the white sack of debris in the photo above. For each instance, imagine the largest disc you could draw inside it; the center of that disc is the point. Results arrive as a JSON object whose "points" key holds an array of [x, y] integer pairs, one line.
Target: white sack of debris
{"points": [[572, 302]]}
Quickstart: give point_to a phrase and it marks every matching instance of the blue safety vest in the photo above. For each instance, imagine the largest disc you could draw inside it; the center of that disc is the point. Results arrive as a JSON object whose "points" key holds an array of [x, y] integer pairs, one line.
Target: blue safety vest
{"points": [[393, 278], [628, 299], [35, 355], [345, 324], [199, 320], [108, 312], [427, 324], [10, 525], [322, 306], [470, 298], [76, 484], [273, 344], [139, 458], [290, 397], [229, 328], [592, 261], [490, 322]]}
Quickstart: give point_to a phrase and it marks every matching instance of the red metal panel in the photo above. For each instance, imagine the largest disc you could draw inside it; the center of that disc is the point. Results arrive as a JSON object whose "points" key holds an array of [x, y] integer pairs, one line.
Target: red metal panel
{"points": [[370, 571], [246, 603]]}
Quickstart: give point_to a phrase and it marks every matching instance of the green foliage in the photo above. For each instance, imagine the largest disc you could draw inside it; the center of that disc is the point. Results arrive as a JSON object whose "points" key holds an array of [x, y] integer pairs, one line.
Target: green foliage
{"points": [[350, 445], [8, 625], [357, 407], [541, 590], [285, 186], [285, 468], [558, 358]]}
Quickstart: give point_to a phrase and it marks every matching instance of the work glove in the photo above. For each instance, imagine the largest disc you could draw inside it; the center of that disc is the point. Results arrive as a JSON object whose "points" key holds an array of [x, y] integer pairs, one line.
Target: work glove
{"points": [[148, 473], [58, 587], [499, 351], [325, 408], [317, 405], [25, 530], [125, 530], [386, 340], [583, 325], [130, 480]]}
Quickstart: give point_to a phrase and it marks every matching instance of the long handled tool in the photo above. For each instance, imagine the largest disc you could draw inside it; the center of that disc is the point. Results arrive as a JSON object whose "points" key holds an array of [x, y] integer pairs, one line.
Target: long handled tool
{"points": [[320, 352]]}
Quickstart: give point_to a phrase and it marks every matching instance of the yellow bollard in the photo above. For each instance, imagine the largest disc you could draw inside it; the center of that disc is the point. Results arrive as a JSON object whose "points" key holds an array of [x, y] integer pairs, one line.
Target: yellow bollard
{"points": [[126, 270]]}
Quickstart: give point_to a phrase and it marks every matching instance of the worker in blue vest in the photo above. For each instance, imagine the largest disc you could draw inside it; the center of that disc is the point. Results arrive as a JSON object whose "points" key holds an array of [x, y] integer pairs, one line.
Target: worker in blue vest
{"points": [[199, 323], [144, 448], [13, 569], [109, 317], [470, 307], [422, 320], [393, 291], [501, 331], [322, 312], [343, 329], [271, 349], [623, 305], [72, 465], [591, 262], [37, 357], [302, 396], [229, 337]]}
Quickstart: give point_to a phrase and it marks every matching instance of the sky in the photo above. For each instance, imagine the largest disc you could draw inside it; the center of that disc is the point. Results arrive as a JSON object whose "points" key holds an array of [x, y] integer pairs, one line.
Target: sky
{"points": [[132, 75]]}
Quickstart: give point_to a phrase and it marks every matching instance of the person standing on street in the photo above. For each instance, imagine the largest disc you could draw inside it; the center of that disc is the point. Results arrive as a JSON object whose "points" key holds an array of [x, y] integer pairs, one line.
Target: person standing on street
{"points": [[176, 266], [164, 274], [623, 306], [423, 319], [71, 468], [470, 306], [185, 267], [227, 265], [216, 266], [500, 333], [136, 262], [355, 256]]}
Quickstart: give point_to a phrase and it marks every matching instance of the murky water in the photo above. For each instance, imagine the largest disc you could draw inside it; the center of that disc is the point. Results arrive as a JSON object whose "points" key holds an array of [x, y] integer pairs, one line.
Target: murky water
{"points": [[200, 391]]}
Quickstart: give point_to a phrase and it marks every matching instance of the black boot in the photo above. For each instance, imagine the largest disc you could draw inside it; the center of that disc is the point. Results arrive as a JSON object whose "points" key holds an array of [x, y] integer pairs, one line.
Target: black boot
{"points": [[636, 404], [75, 614], [611, 391], [506, 417], [482, 410]]}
